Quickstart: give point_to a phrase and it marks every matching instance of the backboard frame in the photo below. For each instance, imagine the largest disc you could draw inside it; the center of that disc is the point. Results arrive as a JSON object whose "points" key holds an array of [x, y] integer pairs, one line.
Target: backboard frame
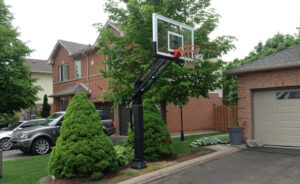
{"points": [[169, 56]]}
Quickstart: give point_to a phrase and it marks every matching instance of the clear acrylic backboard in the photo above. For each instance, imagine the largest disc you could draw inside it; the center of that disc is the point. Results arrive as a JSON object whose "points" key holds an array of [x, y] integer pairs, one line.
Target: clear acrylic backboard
{"points": [[169, 35]]}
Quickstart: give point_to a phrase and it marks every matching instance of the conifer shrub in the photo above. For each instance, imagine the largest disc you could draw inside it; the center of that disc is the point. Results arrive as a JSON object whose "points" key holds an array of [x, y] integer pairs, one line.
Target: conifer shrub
{"points": [[82, 149], [157, 140], [46, 108]]}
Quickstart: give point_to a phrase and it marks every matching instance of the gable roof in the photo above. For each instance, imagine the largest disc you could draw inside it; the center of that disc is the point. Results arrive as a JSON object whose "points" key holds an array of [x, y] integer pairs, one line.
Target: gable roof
{"points": [[77, 88], [73, 49], [38, 66], [287, 58], [112, 25], [115, 26]]}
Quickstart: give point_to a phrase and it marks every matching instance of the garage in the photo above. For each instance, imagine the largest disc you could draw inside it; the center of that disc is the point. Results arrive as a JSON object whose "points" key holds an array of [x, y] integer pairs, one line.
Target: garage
{"points": [[276, 116], [269, 98]]}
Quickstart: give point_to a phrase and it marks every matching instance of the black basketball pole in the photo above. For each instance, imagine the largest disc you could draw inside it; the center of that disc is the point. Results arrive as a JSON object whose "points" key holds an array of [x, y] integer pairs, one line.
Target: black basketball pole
{"points": [[138, 162], [181, 122], [142, 85]]}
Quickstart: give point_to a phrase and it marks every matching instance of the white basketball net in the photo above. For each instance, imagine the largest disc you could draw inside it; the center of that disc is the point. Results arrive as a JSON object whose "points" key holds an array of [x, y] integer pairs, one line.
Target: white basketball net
{"points": [[189, 55]]}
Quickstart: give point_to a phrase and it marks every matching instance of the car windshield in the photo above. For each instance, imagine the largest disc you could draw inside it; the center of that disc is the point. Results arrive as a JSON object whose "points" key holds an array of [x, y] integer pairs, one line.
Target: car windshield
{"points": [[13, 126], [52, 120]]}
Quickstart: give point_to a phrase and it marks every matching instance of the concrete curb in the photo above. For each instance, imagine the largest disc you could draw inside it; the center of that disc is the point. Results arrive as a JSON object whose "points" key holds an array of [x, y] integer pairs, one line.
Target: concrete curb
{"points": [[221, 151]]}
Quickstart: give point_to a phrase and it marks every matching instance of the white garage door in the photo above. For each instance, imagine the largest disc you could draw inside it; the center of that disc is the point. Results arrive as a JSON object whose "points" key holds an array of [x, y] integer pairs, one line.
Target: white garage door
{"points": [[277, 116]]}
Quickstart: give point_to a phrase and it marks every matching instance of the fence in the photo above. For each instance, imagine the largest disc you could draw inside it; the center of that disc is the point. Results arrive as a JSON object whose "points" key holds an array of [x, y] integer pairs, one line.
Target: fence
{"points": [[225, 116]]}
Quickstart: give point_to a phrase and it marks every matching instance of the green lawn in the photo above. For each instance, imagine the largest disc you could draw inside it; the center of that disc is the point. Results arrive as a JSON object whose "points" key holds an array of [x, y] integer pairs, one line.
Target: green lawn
{"points": [[24, 171], [184, 148], [30, 170]]}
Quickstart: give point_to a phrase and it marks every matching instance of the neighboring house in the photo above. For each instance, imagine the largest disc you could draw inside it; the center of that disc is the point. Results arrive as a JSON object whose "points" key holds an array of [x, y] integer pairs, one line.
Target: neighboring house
{"points": [[40, 70], [269, 98], [75, 69]]}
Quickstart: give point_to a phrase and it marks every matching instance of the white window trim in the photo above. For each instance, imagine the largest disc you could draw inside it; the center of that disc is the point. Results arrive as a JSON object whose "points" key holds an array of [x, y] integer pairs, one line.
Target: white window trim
{"points": [[61, 77], [107, 68]]}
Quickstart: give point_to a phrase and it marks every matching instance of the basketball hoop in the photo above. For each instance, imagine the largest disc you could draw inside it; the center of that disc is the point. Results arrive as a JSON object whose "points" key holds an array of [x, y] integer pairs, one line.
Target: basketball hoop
{"points": [[188, 53]]}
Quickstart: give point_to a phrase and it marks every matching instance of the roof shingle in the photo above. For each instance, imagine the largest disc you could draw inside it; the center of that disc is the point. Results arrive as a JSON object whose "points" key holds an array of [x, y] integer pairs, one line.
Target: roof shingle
{"points": [[72, 47], [77, 88], [38, 66], [284, 59]]}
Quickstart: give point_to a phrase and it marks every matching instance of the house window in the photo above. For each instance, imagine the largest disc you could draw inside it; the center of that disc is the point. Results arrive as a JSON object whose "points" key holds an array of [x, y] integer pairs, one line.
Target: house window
{"points": [[78, 69], [63, 71], [107, 67], [64, 104], [288, 95]]}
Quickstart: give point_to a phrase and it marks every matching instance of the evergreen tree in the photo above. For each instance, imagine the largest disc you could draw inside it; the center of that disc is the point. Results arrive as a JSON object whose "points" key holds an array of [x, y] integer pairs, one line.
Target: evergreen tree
{"points": [[157, 140], [82, 148], [46, 108]]}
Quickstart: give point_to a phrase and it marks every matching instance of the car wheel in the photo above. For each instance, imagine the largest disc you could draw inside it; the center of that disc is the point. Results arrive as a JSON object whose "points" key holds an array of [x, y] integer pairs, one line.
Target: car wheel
{"points": [[41, 146], [5, 144]]}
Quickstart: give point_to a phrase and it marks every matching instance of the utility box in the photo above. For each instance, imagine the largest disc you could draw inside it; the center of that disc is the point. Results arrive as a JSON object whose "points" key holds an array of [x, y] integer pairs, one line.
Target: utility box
{"points": [[236, 135]]}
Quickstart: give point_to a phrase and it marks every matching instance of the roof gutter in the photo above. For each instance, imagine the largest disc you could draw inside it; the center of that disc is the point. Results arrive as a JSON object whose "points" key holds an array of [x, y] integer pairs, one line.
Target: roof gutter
{"points": [[261, 69], [83, 51]]}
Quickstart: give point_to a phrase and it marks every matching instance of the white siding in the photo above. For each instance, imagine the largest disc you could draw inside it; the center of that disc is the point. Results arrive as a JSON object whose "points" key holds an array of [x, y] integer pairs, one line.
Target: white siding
{"points": [[45, 81]]}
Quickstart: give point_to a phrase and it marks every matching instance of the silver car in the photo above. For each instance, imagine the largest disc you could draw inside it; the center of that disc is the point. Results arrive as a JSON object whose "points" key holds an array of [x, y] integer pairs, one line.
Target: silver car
{"points": [[5, 134], [39, 139]]}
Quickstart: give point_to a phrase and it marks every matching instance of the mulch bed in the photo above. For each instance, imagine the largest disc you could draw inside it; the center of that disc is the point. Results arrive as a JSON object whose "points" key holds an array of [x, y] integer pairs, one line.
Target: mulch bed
{"points": [[116, 176]]}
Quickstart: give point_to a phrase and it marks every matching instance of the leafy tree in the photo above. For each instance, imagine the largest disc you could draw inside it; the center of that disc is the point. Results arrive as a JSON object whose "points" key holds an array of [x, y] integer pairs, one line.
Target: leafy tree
{"points": [[157, 140], [273, 45], [16, 87], [131, 53], [82, 148], [9, 118], [46, 108]]}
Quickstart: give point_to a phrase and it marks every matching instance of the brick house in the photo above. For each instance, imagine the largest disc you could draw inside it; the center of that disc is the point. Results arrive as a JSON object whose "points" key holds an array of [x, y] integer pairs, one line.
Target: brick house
{"points": [[269, 98], [75, 69]]}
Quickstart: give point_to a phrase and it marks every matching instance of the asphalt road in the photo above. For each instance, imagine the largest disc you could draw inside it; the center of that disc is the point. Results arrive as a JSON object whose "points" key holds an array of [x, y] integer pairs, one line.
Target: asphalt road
{"points": [[15, 154], [243, 167]]}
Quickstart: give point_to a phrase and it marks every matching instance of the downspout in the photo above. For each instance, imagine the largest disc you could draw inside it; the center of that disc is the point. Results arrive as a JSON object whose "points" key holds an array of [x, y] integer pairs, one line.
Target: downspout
{"points": [[87, 67], [87, 63]]}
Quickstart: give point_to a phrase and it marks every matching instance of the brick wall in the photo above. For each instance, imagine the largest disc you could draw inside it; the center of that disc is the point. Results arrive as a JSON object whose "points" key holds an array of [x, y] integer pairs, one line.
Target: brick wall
{"points": [[92, 82], [261, 80], [197, 114]]}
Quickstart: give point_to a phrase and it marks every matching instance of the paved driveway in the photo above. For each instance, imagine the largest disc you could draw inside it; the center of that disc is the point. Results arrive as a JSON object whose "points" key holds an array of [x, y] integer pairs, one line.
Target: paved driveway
{"points": [[242, 167]]}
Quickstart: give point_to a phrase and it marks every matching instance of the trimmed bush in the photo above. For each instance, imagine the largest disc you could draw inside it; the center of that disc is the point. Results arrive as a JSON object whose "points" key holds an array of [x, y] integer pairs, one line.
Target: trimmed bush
{"points": [[157, 140], [125, 155], [82, 148]]}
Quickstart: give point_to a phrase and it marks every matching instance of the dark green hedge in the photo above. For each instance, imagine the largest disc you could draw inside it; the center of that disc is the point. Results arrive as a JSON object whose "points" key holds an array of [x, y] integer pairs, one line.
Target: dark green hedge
{"points": [[82, 148], [157, 140]]}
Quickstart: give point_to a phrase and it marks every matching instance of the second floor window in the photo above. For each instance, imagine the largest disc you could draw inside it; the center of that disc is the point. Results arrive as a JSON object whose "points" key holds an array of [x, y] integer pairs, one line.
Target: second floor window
{"points": [[108, 67], [78, 69], [63, 71]]}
